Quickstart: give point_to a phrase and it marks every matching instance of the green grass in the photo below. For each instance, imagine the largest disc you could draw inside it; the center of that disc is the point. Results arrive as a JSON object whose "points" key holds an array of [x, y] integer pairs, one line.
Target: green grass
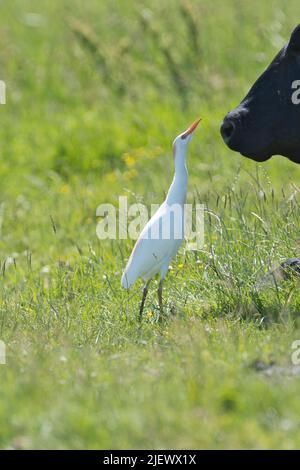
{"points": [[89, 84]]}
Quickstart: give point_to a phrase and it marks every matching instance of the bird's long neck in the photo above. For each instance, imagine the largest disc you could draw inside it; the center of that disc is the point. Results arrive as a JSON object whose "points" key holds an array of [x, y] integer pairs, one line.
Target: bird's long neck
{"points": [[178, 188]]}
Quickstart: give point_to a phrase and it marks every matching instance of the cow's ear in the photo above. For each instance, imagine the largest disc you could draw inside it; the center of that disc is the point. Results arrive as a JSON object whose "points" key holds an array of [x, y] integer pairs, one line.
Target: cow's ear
{"points": [[294, 42]]}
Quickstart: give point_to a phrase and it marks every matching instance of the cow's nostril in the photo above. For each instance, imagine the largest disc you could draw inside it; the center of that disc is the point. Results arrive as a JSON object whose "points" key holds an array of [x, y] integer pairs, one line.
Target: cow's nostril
{"points": [[227, 130]]}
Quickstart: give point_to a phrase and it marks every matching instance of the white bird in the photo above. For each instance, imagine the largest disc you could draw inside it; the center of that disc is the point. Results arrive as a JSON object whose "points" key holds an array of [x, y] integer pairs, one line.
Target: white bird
{"points": [[162, 236]]}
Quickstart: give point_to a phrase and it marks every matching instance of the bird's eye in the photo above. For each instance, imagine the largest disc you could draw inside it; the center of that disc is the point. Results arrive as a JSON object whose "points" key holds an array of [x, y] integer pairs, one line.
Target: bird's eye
{"points": [[183, 137]]}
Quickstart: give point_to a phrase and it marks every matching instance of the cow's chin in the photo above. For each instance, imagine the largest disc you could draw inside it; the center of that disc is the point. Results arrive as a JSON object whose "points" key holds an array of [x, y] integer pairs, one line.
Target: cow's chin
{"points": [[257, 156], [267, 153]]}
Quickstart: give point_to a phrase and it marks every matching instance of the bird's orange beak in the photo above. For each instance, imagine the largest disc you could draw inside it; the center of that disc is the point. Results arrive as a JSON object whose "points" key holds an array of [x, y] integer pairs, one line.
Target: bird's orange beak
{"points": [[191, 128]]}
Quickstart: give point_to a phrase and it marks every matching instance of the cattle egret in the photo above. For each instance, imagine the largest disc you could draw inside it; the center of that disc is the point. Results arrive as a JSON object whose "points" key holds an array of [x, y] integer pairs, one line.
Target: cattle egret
{"points": [[161, 237]]}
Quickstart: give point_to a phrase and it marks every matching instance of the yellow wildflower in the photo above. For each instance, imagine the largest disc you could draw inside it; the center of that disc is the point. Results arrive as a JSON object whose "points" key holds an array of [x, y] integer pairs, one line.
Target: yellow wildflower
{"points": [[65, 189], [129, 160], [130, 174]]}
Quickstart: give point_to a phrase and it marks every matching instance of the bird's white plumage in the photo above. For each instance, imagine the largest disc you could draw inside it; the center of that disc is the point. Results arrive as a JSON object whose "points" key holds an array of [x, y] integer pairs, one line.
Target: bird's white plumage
{"points": [[158, 242], [161, 237]]}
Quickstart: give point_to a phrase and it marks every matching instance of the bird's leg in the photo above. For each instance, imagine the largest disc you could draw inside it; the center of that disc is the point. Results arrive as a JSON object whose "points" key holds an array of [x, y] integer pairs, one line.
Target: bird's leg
{"points": [[159, 294], [145, 292]]}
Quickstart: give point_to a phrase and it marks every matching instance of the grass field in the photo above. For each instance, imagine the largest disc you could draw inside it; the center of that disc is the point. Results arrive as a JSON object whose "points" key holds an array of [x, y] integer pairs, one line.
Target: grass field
{"points": [[96, 92]]}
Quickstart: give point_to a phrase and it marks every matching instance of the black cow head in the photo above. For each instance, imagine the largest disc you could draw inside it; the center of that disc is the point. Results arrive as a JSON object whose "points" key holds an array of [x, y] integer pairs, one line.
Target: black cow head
{"points": [[267, 121]]}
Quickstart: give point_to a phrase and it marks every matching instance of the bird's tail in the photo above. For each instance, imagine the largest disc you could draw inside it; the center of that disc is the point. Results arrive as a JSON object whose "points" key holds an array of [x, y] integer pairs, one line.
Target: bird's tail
{"points": [[126, 282]]}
